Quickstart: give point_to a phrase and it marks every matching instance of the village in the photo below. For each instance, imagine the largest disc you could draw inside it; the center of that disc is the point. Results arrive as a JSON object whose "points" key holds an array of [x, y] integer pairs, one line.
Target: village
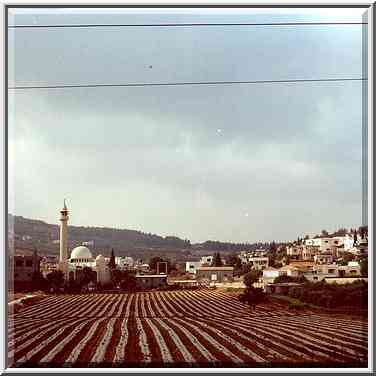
{"points": [[116, 311], [338, 258]]}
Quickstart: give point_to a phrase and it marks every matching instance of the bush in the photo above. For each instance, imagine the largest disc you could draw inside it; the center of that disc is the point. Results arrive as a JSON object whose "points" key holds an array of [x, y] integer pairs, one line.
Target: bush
{"points": [[251, 277], [253, 296], [332, 295]]}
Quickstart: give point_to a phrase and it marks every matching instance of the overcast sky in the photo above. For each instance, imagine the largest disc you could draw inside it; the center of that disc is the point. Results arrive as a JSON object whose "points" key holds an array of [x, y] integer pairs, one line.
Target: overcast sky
{"points": [[251, 162]]}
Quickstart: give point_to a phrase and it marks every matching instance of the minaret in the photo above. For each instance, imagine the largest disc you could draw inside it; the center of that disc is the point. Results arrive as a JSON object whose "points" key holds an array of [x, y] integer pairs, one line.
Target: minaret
{"points": [[64, 233]]}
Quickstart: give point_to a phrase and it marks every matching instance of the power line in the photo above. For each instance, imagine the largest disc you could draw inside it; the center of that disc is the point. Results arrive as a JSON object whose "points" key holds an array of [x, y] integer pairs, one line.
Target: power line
{"points": [[187, 25], [183, 83]]}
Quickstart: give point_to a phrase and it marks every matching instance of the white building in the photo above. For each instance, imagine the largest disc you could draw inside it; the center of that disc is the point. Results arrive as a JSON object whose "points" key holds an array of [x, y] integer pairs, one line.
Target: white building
{"points": [[124, 262], [80, 257], [89, 243], [192, 266], [259, 263], [295, 252], [289, 270], [206, 260], [323, 258], [330, 242], [269, 274]]}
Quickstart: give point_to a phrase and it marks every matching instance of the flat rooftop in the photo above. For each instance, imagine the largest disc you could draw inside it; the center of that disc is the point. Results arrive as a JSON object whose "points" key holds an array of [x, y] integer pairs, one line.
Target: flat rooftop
{"points": [[151, 275]]}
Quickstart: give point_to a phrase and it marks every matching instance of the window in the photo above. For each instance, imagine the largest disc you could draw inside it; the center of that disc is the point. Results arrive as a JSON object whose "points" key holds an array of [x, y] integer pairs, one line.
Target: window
{"points": [[16, 275], [29, 263], [19, 262], [29, 274], [315, 278]]}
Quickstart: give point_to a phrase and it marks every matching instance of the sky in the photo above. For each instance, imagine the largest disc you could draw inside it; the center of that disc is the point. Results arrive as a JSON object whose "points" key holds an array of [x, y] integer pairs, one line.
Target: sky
{"points": [[239, 163]]}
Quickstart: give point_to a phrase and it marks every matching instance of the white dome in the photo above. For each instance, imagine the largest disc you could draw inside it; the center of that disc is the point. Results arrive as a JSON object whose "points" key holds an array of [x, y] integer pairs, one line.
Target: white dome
{"points": [[81, 252]]}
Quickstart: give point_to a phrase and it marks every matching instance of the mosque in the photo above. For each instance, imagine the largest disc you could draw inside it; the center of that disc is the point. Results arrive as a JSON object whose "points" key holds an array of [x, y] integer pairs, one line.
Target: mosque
{"points": [[80, 257]]}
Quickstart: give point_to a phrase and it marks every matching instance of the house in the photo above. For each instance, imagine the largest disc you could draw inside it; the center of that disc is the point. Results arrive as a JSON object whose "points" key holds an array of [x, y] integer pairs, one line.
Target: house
{"points": [[144, 268], [269, 274], [192, 266], [289, 270], [303, 265], [207, 260], [325, 243], [151, 281], [215, 273], [21, 270], [323, 258], [351, 269], [309, 251], [259, 263], [124, 262], [326, 268], [317, 276], [294, 252]]}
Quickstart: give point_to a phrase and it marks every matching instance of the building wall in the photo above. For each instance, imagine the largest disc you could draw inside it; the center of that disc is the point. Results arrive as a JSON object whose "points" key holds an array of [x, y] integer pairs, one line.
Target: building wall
{"points": [[192, 266], [220, 275], [259, 263], [147, 282], [23, 267], [206, 260]]}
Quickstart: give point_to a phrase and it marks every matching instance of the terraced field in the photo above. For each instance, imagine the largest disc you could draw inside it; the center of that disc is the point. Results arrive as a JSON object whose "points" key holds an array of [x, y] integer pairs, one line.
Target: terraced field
{"points": [[179, 329]]}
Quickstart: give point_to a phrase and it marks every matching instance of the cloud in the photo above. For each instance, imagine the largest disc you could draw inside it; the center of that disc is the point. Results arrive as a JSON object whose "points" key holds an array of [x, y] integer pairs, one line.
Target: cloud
{"points": [[190, 161]]}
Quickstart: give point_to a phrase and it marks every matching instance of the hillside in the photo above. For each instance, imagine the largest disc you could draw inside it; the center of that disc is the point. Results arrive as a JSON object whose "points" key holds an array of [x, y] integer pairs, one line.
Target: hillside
{"points": [[30, 233]]}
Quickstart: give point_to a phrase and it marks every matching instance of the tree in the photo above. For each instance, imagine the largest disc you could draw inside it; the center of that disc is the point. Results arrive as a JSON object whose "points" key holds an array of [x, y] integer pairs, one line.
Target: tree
{"points": [[129, 281], [250, 278], [287, 278], [363, 231], [154, 261], [55, 279], [341, 232], [245, 269], [364, 267], [84, 277], [116, 277], [112, 263], [273, 247], [253, 296], [355, 237], [234, 261], [217, 261], [324, 233], [38, 281]]}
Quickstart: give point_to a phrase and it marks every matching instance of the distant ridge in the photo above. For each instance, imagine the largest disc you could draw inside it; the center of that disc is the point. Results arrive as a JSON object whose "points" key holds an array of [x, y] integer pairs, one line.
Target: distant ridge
{"points": [[33, 233], [36, 233]]}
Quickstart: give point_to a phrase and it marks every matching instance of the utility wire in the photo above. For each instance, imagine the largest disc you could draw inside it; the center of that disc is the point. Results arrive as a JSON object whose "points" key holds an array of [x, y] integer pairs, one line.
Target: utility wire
{"points": [[183, 83], [186, 25]]}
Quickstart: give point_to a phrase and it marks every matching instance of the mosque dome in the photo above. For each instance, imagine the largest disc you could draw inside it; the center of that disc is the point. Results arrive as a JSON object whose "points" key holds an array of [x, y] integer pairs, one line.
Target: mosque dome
{"points": [[80, 253]]}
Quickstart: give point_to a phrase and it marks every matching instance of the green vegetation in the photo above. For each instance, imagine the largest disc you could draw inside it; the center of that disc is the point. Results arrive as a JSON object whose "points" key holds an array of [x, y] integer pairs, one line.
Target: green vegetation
{"points": [[153, 262], [332, 295], [217, 260], [252, 277], [287, 278], [253, 296]]}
